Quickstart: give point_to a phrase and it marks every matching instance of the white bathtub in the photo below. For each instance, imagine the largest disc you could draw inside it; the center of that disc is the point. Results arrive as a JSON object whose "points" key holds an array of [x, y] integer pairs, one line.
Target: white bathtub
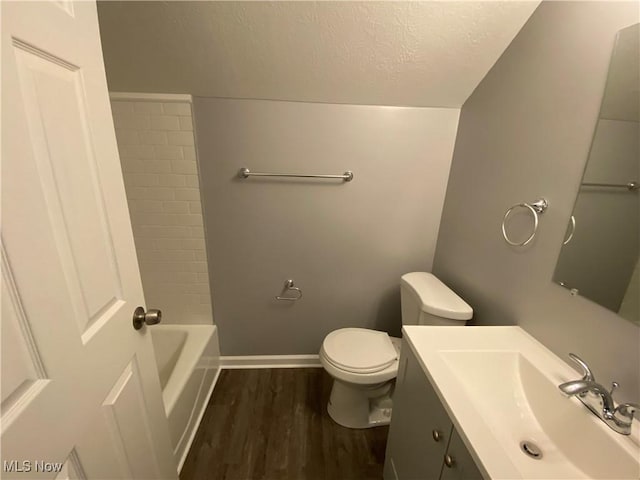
{"points": [[188, 365]]}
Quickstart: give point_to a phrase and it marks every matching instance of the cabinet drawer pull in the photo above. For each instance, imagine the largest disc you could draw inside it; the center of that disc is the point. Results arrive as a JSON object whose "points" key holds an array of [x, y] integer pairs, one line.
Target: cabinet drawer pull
{"points": [[437, 436], [449, 461]]}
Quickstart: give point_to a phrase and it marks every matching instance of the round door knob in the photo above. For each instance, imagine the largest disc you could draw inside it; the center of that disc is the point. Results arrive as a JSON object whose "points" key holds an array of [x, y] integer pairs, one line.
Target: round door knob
{"points": [[437, 436], [449, 461], [150, 317]]}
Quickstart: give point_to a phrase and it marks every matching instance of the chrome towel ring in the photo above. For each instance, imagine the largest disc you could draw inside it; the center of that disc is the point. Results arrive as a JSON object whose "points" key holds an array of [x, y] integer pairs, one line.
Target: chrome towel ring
{"points": [[288, 286], [536, 208], [573, 230]]}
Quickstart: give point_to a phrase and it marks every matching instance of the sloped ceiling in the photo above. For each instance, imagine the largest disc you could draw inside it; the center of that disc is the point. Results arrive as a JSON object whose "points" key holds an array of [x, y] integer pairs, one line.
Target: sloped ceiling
{"points": [[374, 53]]}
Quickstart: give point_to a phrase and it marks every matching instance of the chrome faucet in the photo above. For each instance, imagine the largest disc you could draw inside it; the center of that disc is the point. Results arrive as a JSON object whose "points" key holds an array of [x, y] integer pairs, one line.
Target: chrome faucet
{"points": [[581, 387], [600, 400]]}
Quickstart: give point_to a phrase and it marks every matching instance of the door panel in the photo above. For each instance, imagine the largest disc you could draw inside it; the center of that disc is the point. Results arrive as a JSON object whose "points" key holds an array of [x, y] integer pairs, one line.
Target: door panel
{"points": [[21, 364], [126, 418], [71, 468], [80, 386], [54, 99]]}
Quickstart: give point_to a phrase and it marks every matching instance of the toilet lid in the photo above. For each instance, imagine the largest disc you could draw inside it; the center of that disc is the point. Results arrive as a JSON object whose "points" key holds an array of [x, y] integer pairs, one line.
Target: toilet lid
{"points": [[359, 350]]}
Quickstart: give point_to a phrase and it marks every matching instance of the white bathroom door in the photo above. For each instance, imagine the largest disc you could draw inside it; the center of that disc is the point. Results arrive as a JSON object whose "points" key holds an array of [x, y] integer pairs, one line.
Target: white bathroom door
{"points": [[80, 392]]}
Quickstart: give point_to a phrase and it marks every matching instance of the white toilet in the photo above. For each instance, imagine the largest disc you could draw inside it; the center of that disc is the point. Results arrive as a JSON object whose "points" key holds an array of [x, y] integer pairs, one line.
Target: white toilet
{"points": [[364, 362]]}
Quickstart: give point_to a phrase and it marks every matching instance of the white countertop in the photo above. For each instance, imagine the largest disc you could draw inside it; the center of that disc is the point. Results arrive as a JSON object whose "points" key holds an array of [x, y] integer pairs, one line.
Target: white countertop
{"points": [[499, 386]]}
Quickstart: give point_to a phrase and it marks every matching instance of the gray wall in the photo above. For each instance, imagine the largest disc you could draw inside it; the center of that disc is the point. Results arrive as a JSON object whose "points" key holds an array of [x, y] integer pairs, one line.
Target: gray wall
{"points": [[525, 132], [345, 244]]}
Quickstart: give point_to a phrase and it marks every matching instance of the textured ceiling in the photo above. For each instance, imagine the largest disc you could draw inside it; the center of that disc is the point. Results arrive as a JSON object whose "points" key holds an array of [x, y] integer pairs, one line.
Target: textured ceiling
{"points": [[377, 53]]}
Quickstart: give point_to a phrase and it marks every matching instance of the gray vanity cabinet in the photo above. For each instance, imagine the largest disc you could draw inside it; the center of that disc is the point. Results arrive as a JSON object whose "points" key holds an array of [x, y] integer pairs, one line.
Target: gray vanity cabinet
{"points": [[459, 464], [422, 443]]}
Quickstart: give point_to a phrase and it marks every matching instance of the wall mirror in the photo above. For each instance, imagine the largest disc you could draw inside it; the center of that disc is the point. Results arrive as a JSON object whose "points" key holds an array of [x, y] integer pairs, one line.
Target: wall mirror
{"points": [[599, 255]]}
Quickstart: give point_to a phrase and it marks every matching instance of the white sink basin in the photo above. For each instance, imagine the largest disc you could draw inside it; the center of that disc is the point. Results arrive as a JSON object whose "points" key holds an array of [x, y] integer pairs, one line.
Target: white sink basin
{"points": [[499, 386]]}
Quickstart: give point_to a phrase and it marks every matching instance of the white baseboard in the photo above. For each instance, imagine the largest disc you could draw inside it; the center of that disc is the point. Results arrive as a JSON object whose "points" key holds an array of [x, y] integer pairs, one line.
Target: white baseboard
{"points": [[270, 361]]}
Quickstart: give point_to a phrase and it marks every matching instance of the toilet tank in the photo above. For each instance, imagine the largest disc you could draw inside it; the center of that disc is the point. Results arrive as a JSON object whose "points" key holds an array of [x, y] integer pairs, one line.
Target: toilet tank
{"points": [[427, 301]]}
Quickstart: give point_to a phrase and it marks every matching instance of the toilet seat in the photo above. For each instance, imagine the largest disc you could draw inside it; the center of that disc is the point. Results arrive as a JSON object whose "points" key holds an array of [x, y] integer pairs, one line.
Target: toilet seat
{"points": [[359, 350]]}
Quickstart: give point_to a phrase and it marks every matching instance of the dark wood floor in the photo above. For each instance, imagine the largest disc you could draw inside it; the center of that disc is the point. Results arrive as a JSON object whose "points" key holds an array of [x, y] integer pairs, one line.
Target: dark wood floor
{"points": [[272, 424]]}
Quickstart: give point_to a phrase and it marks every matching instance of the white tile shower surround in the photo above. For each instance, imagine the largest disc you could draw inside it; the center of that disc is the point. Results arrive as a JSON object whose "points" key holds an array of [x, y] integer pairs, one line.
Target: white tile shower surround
{"points": [[157, 152]]}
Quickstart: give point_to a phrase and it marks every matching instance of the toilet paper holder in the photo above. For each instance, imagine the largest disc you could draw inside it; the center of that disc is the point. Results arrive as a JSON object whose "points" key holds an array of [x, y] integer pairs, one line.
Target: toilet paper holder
{"points": [[289, 286]]}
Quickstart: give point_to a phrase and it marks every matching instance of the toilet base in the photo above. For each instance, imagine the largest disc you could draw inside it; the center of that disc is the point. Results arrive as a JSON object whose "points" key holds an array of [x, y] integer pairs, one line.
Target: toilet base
{"points": [[360, 406]]}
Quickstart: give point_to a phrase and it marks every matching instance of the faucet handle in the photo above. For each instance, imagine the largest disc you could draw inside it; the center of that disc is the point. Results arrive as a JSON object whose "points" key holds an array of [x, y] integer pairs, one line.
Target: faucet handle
{"points": [[586, 371], [614, 385], [628, 408], [623, 416]]}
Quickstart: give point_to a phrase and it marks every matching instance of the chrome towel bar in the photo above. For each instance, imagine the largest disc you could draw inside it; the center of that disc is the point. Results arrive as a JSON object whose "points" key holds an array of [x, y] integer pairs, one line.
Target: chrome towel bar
{"points": [[629, 186], [246, 173]]}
